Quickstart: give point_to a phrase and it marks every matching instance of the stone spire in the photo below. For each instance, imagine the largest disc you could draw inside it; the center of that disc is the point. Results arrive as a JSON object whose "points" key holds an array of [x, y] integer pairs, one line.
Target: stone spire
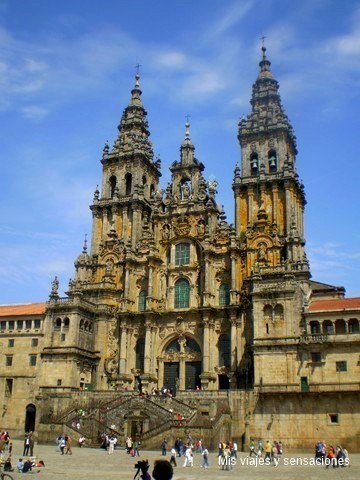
{"points": [[268, 114], [133, 138], [187, 148]]}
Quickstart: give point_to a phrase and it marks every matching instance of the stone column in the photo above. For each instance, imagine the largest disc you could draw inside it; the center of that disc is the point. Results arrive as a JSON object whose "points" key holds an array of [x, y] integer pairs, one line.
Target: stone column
{"points": [[206, 350], [212, 346], [123, 341], [147, 348], [250, 205], [127, 282], [275, 193], [136, 226], [124, 224], [150, 282], [233, 343], [160, 372], [182, 364], [153, 353], [288, 208]]}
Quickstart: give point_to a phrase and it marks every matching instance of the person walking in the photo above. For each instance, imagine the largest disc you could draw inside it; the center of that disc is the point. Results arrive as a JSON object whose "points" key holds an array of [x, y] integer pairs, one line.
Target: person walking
{"points": [[205, 458], [163, 447]]}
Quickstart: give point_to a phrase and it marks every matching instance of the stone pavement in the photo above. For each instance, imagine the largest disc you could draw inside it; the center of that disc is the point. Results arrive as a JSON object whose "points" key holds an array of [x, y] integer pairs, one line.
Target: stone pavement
{"points": [[89, 463]]}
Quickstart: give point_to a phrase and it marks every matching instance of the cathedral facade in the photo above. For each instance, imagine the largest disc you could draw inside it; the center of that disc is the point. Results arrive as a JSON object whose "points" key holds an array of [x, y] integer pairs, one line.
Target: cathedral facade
{"points": [[168, 293]]}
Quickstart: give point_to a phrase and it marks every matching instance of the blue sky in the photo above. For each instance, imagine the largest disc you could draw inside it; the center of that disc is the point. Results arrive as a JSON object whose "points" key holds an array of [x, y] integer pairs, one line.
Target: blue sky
{"points": [[66, 71]]}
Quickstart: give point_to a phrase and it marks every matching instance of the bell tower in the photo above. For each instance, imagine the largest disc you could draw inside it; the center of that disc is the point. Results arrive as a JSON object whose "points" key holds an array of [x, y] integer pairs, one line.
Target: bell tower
{"points": [[269, 198], [130, 179], [269, 223]]}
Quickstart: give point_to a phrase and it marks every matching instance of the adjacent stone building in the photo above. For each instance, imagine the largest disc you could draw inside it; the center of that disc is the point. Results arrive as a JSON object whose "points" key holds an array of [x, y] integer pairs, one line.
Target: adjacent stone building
{"points": [[170, 294]]}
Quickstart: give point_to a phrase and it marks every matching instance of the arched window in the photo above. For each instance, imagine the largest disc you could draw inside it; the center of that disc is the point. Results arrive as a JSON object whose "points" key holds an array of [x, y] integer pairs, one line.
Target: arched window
{"points": [[268, 313], [182, 293], [112, 182], [142, 301], [57, 323], [278, 313], [328, 327], [340, 327], [152, 190], [224, 351], [314, 327], [353, 325], [254, 163], [128, 184], [272, 161], [66, 323], [140, 354], [182, 254], [224, 294]]}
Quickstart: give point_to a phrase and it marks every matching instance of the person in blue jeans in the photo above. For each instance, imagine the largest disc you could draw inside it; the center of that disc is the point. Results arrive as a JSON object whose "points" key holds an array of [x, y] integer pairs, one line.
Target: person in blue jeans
{"points": [[205, 458]]}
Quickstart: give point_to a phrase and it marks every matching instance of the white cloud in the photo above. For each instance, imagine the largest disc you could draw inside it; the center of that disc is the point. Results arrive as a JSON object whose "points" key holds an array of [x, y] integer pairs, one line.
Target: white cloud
{"points": [[34, 112], [171, 59], [232, 16]]}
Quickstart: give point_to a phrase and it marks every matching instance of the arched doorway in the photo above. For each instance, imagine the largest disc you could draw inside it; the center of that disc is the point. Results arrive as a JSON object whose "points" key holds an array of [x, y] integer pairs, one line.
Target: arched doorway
{"points": [[182, 364], [30, 417]]}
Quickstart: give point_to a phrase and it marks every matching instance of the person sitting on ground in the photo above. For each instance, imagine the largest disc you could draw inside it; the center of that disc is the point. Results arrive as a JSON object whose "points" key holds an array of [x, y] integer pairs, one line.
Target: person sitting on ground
{"points": [[162, 470], [27, 466], [20, 465], [7, 465], [40, 463]]}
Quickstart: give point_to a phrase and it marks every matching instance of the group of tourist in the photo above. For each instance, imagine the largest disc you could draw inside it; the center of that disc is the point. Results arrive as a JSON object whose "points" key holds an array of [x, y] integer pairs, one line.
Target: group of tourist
{"points": [[187, 450], [272, 451], [331, 456], [64, 443]]}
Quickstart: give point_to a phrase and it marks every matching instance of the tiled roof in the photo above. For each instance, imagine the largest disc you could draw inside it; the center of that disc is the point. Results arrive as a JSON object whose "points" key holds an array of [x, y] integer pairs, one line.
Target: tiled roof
{"points": [[22, 309], [335, 304]]}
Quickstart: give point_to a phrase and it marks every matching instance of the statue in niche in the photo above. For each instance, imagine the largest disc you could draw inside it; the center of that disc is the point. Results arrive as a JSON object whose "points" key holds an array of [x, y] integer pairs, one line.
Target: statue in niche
{"points": [[262, 254], [166, 232], [185, 191], [108, 267], [201, 228]]}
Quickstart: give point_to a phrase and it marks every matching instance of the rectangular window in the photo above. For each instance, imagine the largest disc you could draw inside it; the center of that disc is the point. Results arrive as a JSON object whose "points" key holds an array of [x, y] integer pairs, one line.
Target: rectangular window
{"points": [[304, 384], [182, 254], [63, 337], [59, 382], [34, 342], [316, 357], [8, 360], [32, 360], [11, 342], [3, 325], [37, 323], [341, 366], [28, 324], [9, 387], [334, 418], [20, 324], [11, 324]]}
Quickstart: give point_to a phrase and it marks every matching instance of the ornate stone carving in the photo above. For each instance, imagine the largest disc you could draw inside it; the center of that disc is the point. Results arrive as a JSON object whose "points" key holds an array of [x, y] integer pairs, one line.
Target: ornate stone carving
{"points": [[182, 226]]}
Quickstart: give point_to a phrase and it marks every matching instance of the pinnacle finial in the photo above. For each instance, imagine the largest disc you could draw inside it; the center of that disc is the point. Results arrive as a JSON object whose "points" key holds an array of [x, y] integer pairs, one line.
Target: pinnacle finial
{"points": [[137, 75], [187, 128], [264, 64], [85, 244]]}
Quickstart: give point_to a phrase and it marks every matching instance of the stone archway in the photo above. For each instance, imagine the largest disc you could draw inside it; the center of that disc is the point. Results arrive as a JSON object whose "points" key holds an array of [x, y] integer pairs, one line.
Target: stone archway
{"points": [[182, 364], [30, 417]]}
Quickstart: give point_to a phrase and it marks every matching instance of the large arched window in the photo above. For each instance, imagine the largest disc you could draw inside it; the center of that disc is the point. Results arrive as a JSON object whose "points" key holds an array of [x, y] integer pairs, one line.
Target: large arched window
{"points": [[224, 294], [353, 325], [182, 254], [272, 161], [254, 163], [112, 183], [140, 354], [278, 313], [340, 326], [314, 327], [182, 293], [328, 327], [142, 301], [224, 351], [128, 184]]}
